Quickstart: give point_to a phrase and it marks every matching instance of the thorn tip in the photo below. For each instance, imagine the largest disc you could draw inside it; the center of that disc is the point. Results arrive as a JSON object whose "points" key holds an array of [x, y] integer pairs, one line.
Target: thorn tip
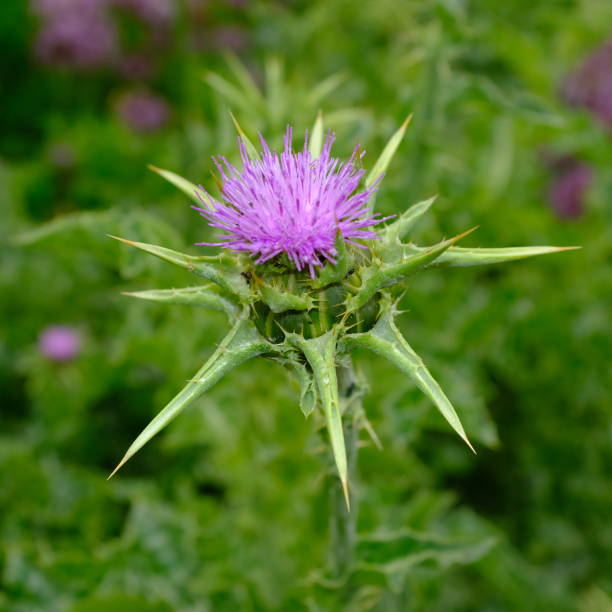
{"points": [[345, 491], [119, 465]]}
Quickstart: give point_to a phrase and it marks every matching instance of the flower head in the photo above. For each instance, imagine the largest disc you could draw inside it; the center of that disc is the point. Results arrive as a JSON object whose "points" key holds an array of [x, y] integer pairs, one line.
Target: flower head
{"points": [[566, 193], [59, 343], [590, 86], [142, 111], [76, 36], [291, 203]]}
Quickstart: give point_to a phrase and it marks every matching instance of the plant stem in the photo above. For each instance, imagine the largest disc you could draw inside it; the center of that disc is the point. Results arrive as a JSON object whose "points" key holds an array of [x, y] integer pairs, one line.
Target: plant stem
{"points": [[342, 522]]}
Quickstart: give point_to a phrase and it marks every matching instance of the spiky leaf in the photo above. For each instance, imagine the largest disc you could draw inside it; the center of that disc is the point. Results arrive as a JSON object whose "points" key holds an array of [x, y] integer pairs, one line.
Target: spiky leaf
{"points": [[308, 387], [315, 141], [205, 296], [374, 278], [386, 340], [210, 268], [400, 228], [183, 184], [386, 156], [461, 257], [281, 301], [320, 353], [241, 343], [250, 147], [334, 273]]}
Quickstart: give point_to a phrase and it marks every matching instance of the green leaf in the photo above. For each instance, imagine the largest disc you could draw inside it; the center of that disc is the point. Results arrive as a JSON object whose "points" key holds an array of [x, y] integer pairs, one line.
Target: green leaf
{"points": [[282, 301], [395, 554], [183, 184], [373, 278], [205, 296], [334, 273], [315, 142], [250, 147], [244, 78], [229, 92], [209, 268], [325, 87], [320, 353], [308, 387], [406, 221], [386, 156], [276, 95], [243, 342], [461, 257], [385, 340]]}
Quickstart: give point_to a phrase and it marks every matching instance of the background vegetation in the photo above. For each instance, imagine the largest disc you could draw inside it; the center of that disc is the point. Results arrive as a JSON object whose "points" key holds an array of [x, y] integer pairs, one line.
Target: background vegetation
{"points": [[227, 509]]}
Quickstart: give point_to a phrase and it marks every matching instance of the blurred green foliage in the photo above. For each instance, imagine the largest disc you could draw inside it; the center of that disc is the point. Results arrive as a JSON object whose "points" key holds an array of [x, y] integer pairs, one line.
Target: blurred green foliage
{"points": [[227, 509]]}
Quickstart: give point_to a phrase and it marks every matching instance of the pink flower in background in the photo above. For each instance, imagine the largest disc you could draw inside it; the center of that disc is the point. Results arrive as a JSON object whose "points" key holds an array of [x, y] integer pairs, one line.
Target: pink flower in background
{"points": [[61, 155], [229, 37], [75, 34], [51, 8], [568, 188], [142, 111], [59, 343], [80, 38], [136, 66], [590, 86], [153, 12]]}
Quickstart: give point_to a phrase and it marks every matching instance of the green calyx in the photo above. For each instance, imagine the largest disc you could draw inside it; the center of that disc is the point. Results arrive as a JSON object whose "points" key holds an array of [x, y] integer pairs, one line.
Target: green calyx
{"points": [[310, 325]]}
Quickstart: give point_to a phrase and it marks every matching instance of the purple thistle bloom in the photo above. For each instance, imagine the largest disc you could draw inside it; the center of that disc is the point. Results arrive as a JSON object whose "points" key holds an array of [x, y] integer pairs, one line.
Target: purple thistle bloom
{"points": [[567, 190], [59, 343], [153, 12], [590, 86], [229, 37], [142, 111], [77, 39], [50, 8], [291, 203]]}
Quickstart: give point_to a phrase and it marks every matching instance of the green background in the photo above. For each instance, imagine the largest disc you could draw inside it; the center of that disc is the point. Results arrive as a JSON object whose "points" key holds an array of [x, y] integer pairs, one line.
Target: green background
{"points": [[227, 509]]}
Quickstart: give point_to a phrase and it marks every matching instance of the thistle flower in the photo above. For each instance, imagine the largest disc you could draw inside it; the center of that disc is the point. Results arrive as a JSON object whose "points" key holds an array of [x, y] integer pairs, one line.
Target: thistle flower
{"points": [[291, 203], [568, 187], [590, 86], [59, 343], [156, 13], [230, 37], [325, 294], [142, 111], [76, 36]]}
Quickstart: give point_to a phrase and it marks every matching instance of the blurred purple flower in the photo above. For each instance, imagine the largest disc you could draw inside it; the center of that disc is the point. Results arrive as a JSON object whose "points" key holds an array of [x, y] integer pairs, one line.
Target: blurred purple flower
{"points": [[154, 12], [567, 190], [229, 37], [61, 155], [136, 66], [77, 38], [51, 8], [590, 86], [59, 343], [142, 111]]}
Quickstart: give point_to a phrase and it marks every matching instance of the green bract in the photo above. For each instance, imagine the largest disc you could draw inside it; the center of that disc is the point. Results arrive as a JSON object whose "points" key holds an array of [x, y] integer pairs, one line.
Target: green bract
{"points": [[310, 325]]}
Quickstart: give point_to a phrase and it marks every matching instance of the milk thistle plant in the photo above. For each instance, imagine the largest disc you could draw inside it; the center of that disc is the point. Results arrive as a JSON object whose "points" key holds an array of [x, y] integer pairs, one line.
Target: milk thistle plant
{"points": [[307, 273]]}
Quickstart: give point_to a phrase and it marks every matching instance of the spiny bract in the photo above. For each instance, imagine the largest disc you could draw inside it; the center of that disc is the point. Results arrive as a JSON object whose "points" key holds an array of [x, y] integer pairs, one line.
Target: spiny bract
{"points": [[312, 294]]}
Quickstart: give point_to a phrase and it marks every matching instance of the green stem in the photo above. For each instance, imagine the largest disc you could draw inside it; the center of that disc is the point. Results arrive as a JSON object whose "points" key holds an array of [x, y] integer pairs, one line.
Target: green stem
{"points": [[343, 524]]}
